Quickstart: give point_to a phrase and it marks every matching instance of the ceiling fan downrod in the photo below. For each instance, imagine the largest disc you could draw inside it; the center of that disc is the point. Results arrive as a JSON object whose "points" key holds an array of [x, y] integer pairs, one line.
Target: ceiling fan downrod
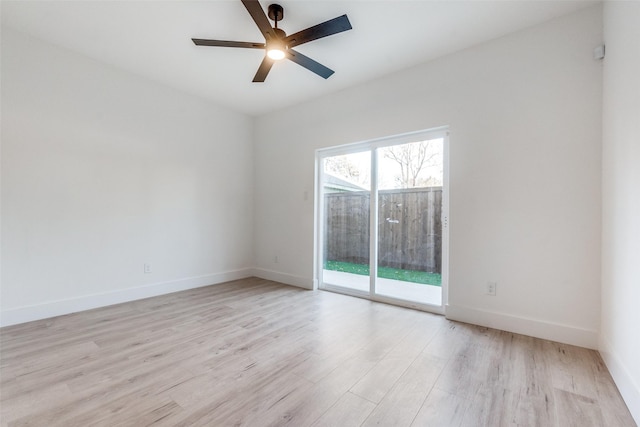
{"points": [[276, 13]]}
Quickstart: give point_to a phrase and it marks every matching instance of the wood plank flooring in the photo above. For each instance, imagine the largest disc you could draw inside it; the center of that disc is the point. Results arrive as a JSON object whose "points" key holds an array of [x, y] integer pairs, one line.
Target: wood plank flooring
{"points": [[257, 353]]}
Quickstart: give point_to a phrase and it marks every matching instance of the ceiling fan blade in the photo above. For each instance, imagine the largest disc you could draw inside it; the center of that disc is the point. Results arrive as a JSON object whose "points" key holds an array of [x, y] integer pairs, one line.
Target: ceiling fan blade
{"points": [[327, 28], [260, 18], [309, 63], [225, 43], [263, 70]]}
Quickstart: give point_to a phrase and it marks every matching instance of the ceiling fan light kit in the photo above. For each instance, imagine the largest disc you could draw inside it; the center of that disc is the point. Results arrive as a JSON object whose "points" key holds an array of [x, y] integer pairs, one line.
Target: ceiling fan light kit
{"points": [[276, 48], [277, 44], [276, 53]]}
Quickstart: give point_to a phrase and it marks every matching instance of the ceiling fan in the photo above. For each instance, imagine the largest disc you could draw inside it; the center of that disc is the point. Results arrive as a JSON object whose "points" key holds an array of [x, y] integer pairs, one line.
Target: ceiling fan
{"points": [[277, 44]]}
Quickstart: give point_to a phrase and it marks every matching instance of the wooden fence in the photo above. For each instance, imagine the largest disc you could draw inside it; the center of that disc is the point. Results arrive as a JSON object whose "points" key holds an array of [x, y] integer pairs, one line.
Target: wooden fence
{"points": [[409, 228]]}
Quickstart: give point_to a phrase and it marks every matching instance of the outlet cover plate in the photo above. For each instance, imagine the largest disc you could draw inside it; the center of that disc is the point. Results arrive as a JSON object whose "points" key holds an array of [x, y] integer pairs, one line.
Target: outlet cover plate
{"points": [[491, 288]]}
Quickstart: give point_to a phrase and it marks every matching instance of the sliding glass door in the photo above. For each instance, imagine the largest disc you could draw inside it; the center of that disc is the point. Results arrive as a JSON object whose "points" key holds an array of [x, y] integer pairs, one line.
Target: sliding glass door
{"points": [[346, 185], [410, 178], [381, 219]]}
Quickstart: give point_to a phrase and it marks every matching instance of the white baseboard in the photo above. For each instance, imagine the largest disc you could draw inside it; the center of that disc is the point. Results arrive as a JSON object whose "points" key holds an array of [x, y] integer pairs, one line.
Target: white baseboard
{"points": [[287, 279], [521, 325], [72, 305], [629, 389]]}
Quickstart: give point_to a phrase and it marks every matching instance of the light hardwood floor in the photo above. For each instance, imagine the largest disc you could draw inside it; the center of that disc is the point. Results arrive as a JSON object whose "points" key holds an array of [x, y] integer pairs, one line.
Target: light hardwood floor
{"points": [[254, 352]]}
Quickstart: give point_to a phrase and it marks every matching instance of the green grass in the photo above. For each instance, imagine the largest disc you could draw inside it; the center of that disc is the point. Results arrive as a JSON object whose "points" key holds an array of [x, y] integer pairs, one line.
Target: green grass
{"points": [[433, 279]]}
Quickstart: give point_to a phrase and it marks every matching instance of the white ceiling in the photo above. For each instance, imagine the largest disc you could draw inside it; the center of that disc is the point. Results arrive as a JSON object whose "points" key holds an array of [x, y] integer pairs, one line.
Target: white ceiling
{"points": [[152, 39]]}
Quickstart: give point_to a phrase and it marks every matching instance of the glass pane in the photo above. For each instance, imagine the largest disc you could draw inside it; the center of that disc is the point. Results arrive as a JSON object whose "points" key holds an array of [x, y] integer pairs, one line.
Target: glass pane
{"points": [[347, 194], [410, 179]]}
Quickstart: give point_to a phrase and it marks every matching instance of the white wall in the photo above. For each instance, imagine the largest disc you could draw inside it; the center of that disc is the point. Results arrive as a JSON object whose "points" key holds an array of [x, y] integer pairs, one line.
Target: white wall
{"points": [[525, 118], [103, 171], [619, 340]]}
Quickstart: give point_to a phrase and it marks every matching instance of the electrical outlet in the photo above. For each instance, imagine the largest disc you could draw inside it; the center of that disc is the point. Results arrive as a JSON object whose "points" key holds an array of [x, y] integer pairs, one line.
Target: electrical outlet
{"points": [[147, 268], [275, 259], [491, 288]]}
